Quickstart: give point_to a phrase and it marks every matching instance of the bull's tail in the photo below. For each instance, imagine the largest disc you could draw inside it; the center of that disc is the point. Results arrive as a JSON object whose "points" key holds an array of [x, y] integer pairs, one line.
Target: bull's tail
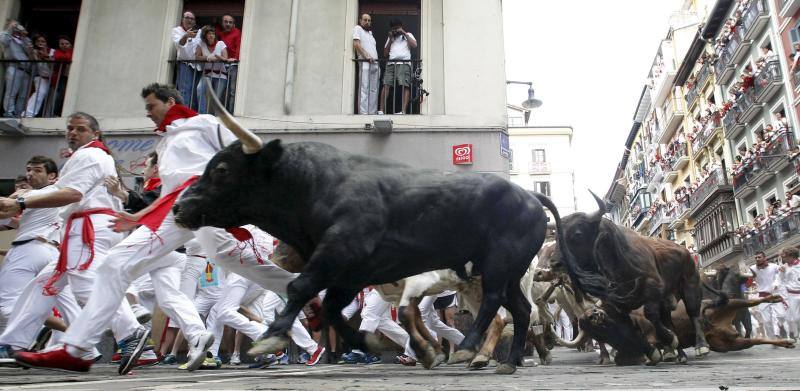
{"points": [[589, 283]]}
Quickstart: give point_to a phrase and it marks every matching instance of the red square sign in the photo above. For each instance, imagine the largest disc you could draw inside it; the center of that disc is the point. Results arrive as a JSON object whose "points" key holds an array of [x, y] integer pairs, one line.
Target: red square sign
{"points": [[462, 154]]}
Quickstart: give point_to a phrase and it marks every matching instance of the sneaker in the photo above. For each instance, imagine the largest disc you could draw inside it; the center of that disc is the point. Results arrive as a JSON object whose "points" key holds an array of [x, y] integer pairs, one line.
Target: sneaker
{"points": [[7, 356], [314, 359], [370, 359], [352, 358], [303, 358], [132, 348], [169, 359], [147, 358], [57, 359], [264, 360], [211, 362], [405, 360], [380, 112], [399, 113], [235, 359], [283, 358], [142, 314], [197, 354]]}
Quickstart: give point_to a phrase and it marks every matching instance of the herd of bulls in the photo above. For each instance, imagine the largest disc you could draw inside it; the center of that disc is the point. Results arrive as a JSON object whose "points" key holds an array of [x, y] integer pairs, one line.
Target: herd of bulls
{"points": [[351, 221]]}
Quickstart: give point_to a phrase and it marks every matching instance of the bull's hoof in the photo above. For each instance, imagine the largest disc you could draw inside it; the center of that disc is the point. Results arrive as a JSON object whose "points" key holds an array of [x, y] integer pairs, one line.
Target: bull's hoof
{"points": [[269, 345], [438, 360], [505, 369], [604, 360], [682, 359], [654, 358], [460, 356], [547, 359], [701, 351], [428, 357], [669, 355], [480, 361]]}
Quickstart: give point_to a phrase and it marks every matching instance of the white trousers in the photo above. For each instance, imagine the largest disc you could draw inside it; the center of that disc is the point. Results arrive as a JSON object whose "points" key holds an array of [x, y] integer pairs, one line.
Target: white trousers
{"points": [[368, 88], [21, 265], [33, 306], [793, 312], [41, 88], [376, 315], [773, 314], [145, 252], [562, 324], [438, 328]]}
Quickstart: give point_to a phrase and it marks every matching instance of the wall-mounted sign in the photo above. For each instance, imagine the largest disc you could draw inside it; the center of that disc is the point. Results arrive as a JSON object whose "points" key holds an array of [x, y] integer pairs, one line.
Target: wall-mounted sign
{"points": [[462, 154]]}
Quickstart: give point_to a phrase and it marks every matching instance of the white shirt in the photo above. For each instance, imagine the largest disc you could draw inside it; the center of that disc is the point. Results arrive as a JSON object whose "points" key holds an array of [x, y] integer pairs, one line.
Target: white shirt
{"points": [[794, 202], [85, 171], [399, 49], [790, 278], [185, 51], [367, 42], [765, 278], [39, 222], [216, 69], [187, 146]]}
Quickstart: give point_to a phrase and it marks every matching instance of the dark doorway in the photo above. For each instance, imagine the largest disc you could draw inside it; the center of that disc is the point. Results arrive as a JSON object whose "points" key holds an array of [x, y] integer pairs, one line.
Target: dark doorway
{"points": [[209, 12], [51, 18]]}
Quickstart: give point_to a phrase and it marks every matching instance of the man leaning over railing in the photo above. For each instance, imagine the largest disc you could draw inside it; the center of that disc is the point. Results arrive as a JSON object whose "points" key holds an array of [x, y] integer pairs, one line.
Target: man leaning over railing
{"points": [[398, 70], [17, 46]]}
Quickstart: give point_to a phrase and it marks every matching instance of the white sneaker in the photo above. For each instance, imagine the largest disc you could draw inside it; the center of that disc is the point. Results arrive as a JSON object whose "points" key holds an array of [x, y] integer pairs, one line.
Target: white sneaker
{"points": [[399, 113], [198, 351], [235, 360], [380, 112]]}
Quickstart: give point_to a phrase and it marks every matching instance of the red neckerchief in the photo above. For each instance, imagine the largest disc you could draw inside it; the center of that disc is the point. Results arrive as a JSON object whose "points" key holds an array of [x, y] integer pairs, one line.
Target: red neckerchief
{"points": [[163, 205], [98, 144], [175, 113], [152, 184]]}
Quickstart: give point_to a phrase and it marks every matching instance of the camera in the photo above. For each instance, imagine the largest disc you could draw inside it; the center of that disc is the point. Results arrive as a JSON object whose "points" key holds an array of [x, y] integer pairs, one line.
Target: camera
{"points": [[395, 33]]}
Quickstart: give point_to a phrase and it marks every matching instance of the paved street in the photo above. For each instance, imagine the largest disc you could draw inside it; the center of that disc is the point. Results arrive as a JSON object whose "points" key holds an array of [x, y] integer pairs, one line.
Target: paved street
{"points": [[757, 368]]}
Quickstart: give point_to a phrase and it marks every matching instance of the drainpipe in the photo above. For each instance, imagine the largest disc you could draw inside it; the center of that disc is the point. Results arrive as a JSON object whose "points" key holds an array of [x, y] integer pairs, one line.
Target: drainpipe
{"points": [[288, 88]]}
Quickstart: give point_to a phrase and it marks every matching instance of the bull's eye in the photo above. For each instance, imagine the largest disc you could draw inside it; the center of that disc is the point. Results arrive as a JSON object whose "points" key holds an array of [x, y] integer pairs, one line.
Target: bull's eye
{"points": [[221, 169]]}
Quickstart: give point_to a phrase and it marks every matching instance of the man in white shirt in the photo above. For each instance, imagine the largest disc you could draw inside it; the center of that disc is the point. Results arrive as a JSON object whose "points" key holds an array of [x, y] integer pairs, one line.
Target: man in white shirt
{"points": [[189, 141], [186, 38], [368, 68], [789, 276], [398, 70], [87, 209], [765, 276]]}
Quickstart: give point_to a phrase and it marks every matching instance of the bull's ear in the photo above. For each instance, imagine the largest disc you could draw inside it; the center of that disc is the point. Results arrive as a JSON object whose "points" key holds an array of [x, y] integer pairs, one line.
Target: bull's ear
{"points": [[271, 153]]}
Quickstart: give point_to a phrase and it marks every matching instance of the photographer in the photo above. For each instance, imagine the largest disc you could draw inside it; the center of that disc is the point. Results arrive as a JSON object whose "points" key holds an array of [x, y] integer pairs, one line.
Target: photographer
{"points": [[398, 70], [368, 68], [17, 47], [186, 38]]}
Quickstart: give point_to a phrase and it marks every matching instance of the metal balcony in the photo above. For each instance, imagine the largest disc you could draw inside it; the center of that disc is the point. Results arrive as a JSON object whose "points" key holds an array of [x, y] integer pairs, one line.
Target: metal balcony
{"points": [[726, 246], [692, 95], [535, 168], [731, 124], [748, 105], [706, 135], [655, 180], [721, 66], [703, 75], [738, 46], [768, 81], [715, 183], [673, 113], [755, 18], [788, 7], [776, 232], [779, 150]]}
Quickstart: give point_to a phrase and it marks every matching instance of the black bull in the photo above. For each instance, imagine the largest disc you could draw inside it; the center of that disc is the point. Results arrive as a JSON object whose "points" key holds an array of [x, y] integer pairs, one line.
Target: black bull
{"points": [[627, 270], [363, 221]]}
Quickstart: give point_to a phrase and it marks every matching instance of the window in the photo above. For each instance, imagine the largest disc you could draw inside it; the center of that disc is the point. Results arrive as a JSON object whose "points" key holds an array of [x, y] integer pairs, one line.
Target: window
{"points": [[752, 211], [511, 160], [542, 187], [539, 156], [794, 33]]}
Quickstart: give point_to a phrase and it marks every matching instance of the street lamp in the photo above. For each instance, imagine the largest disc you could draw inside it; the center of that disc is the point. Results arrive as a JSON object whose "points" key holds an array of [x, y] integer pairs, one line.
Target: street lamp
{"points": [[531, 102]]}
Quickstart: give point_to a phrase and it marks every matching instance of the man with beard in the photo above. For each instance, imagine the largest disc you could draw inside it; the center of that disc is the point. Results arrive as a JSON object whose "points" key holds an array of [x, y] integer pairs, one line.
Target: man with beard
{"points": [[368, 68]]}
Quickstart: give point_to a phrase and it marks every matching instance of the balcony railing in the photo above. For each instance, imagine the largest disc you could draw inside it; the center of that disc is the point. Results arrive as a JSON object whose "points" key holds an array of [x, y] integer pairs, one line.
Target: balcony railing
{"points": [[539, 168], [754, 17], [692, 95], [768, 80], [730, 120], [747, 173], [679, 151], [703, 74], [34, 88], [773, 234], [703, 137], [190, 78], [723, 57], [712, 183], [398, 81]]}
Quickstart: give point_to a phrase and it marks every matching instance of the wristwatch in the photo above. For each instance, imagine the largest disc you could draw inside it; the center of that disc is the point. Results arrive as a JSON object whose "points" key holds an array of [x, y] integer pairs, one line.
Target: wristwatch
{"points": [[21, 203]]}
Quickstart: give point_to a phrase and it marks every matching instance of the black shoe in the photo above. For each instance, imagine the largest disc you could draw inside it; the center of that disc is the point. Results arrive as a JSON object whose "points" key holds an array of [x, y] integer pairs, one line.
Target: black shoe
{"points": [[263, 361], [132, 348]]}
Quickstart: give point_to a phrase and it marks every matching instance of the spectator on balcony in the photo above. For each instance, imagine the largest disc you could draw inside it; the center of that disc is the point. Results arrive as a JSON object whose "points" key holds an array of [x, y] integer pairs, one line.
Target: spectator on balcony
{"points": [[17, 47], [398, 70], [794, 200], [215, 55], [186, 39], [369, 70], [42, 72], [795, 59], [781, 122], [232, 37], [58, 81], [747, 78]]}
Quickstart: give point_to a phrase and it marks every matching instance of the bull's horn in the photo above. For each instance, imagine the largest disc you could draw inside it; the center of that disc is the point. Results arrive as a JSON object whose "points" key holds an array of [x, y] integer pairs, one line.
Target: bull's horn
{"points": [[574, 343], [250, 142], [601, 205]]}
